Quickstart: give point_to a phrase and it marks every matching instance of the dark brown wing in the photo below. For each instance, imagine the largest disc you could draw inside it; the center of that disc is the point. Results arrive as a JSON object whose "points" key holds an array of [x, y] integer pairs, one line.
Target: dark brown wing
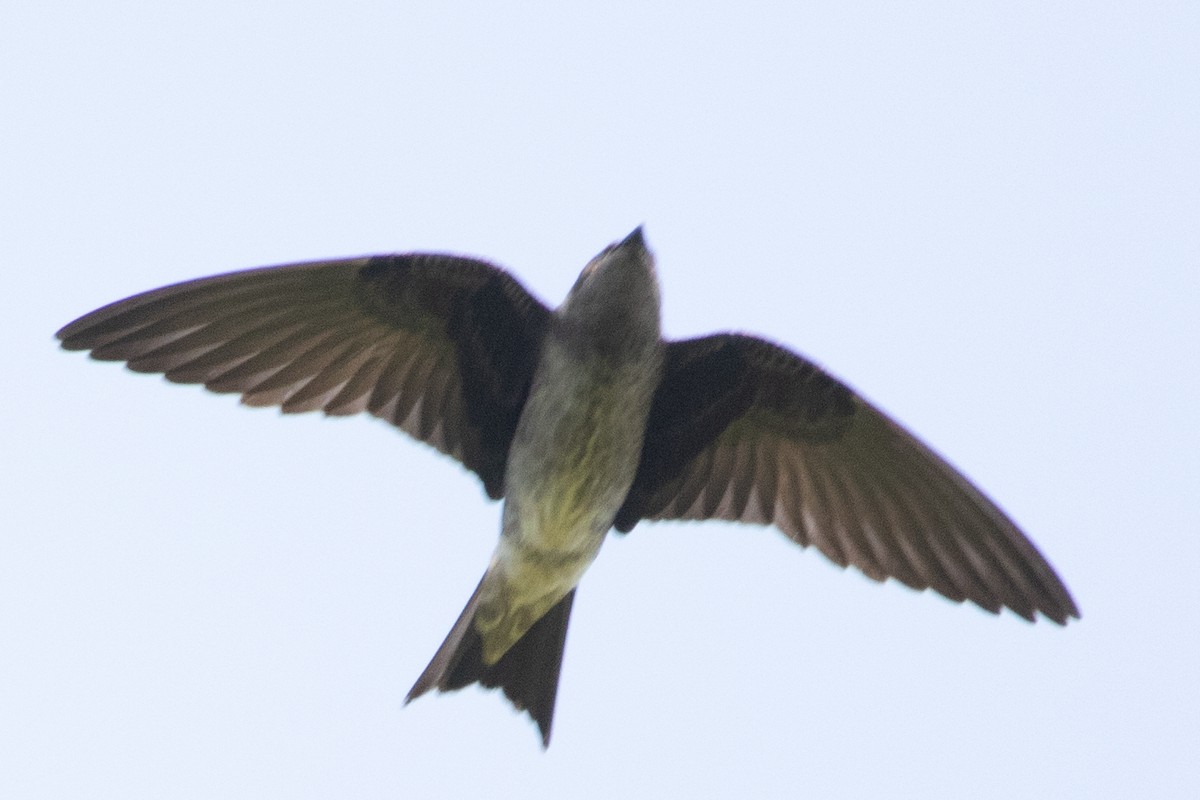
{"points": [[443, 347], [747, 431]]}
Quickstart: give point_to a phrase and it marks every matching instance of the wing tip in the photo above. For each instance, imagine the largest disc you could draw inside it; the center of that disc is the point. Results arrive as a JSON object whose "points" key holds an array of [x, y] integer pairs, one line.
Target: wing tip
{"points": [[68, 337], [1059, 613]]}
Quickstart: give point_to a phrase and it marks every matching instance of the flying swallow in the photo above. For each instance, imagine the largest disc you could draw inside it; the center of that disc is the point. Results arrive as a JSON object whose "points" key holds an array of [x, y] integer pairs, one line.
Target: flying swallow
{"points": [[583, 419]]}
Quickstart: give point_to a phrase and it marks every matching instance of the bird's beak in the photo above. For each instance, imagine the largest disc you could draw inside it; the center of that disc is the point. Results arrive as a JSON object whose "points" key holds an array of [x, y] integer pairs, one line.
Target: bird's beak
{"points": [[635, 239]]}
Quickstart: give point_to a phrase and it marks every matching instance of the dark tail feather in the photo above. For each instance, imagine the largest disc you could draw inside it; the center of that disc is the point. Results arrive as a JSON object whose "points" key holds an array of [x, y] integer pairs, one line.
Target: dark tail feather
{"points": [[528, 672]]}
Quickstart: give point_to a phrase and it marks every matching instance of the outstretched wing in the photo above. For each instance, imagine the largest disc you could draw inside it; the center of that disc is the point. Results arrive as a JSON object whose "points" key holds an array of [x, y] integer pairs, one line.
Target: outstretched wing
{"points": [[747, 431], [441, 346]]}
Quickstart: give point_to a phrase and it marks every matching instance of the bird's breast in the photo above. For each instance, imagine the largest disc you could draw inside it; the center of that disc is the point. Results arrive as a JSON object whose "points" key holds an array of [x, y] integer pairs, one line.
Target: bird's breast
{"points": [[571, 463], [576, 449]]}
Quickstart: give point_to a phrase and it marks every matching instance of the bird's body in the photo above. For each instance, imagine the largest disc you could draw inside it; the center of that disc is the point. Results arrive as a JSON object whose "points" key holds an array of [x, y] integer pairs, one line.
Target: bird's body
{"points": [[572, 461], [583, 420], [573, 457]]}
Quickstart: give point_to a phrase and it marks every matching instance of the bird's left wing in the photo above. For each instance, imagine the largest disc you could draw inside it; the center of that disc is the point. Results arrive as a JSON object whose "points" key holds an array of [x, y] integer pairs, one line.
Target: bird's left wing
{"points": [[443, 347], [744, 430]]}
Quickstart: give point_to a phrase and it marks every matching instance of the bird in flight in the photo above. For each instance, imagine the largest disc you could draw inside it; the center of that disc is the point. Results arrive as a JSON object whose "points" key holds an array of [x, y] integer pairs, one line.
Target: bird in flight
{"points": [[582, 419]]}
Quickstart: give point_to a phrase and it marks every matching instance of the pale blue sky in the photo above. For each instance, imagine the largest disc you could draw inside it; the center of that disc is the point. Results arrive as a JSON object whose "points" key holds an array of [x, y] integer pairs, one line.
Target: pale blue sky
{"points": [[982, 215]]}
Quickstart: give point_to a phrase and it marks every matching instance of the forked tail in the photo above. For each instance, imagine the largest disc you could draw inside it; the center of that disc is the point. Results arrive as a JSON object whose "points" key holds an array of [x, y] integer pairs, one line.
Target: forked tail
{"points": [[528, 672]]}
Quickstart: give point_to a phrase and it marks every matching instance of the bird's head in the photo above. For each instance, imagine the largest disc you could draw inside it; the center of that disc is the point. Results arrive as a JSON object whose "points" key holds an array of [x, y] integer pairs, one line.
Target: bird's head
{"points": [[615, 300]]}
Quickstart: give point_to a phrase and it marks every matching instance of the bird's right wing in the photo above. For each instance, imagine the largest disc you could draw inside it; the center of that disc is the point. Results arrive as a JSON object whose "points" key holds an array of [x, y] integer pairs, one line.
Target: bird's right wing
{"points": [[443, 347], [744, 430]]}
